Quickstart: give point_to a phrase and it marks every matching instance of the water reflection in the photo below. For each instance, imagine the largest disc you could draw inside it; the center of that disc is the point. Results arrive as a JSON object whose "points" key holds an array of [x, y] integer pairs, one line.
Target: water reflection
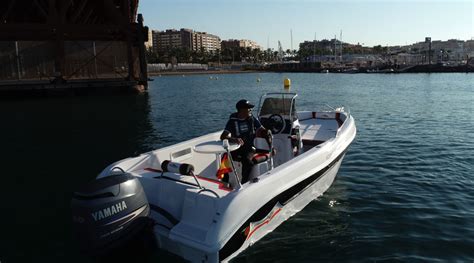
{"points": [[49, 148]]}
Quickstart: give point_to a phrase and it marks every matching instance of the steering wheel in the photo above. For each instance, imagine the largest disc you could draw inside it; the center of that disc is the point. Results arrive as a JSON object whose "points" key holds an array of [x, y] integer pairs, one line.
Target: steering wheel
{"points": [[276, 123]]}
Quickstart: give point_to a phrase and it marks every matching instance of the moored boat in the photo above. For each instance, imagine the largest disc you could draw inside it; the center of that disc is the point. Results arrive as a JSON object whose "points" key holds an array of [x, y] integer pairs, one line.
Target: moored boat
{"points": [[201, 218]]}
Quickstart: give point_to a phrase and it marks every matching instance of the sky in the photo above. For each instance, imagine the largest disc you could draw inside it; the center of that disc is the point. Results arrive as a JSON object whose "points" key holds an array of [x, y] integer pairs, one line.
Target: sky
{"points": [[367, 22]]}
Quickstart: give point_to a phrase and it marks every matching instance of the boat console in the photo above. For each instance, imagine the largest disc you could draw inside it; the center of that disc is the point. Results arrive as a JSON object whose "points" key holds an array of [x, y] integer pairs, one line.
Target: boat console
{"points": [[277, 112]]}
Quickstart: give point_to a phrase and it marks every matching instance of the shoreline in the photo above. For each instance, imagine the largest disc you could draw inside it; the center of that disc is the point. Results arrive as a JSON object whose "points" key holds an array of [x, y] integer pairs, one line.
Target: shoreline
{"points": [[200, 72], [320, 71]]}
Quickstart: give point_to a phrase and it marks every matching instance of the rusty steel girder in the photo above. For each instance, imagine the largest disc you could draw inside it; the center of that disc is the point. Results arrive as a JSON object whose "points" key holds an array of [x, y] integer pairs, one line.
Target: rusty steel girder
{"points": [[58, 21], [75, 20]]}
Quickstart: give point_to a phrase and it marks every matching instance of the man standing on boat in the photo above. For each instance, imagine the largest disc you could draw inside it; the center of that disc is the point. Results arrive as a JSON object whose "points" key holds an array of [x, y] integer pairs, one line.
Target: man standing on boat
{"points": [[241, 128]]}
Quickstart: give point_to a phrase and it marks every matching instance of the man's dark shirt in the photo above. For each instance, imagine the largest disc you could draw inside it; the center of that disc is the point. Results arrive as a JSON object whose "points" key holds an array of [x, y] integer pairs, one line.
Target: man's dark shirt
{"points": [[244, 129]]}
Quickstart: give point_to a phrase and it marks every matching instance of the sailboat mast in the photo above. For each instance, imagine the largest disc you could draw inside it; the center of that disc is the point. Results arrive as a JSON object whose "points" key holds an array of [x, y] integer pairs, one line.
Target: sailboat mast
{"points": [[340, 46], [314, 48], [291, 35]]}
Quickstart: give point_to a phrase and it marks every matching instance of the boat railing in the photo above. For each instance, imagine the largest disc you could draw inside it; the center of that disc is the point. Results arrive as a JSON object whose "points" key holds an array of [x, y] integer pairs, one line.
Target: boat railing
{"points": [[166, 175], [344, 109], [327, 107]]}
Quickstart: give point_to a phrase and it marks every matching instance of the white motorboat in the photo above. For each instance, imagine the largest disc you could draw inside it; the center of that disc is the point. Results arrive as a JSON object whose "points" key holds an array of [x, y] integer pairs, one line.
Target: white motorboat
{"points": [[199, 217]]}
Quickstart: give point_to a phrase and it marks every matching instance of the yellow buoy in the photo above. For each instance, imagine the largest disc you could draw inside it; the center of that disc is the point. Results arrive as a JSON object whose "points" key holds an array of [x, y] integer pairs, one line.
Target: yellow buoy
{"points": [[286, 83]]}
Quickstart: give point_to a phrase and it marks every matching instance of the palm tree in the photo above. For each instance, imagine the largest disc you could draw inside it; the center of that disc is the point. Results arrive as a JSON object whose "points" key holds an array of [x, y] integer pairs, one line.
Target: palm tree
{"points": [[248, 54], [227, 54], [243, 54], [271, 54], [151, 56], [256, 54], [275, 55]]}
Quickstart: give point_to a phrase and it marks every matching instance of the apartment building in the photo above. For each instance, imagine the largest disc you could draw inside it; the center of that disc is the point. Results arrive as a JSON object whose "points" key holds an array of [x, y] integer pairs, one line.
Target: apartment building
{"points": [[235, 43], [171, 38], [184, 38], [452, 49], [205, 41]]}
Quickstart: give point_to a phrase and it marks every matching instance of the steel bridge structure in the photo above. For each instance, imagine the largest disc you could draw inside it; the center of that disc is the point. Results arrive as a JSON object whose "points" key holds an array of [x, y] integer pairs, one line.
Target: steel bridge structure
{"points": [[51, 44]]}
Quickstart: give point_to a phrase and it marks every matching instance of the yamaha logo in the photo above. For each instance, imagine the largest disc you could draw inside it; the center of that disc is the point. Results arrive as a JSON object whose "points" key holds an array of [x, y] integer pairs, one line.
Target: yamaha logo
{"points": [[109, 211]]}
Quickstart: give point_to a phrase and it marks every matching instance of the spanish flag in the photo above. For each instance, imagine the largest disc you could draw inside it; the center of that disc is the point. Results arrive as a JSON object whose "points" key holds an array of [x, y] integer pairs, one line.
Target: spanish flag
{"points": [[225, 166]]}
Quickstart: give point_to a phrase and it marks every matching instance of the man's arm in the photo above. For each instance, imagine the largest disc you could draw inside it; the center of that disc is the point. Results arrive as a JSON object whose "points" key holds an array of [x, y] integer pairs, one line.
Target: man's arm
{"points": [[226, 135], [261, 131]]}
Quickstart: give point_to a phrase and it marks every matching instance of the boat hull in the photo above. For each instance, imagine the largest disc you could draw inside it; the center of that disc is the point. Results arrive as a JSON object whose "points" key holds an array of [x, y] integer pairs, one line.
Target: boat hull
{"points": [[309, 190], [250, 232]]}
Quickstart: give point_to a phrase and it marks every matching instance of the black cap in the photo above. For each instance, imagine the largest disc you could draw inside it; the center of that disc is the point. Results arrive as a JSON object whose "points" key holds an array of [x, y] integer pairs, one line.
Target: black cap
{"points": [[244, 104]]}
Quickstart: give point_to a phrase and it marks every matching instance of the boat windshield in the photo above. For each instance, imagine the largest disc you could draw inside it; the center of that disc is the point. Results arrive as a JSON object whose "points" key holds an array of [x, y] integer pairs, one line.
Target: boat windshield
{"points": [[283, 105]]}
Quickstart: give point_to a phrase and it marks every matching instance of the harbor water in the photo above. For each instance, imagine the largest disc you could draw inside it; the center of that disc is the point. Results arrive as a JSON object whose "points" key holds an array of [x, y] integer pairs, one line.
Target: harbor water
{"points": [[404, 192]]}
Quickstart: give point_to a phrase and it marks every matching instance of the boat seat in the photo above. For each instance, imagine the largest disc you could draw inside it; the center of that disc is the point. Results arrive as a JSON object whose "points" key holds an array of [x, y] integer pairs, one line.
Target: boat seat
{"points": [[260, 157], [262, 150]]}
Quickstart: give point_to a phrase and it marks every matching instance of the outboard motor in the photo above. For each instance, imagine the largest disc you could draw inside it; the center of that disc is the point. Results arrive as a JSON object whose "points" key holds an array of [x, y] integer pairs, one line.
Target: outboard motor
{"points": [[109, 211]]}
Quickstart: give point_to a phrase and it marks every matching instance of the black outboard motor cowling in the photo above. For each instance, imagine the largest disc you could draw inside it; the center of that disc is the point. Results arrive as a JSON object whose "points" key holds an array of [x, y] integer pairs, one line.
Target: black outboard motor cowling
{"points": [[109, 211]]}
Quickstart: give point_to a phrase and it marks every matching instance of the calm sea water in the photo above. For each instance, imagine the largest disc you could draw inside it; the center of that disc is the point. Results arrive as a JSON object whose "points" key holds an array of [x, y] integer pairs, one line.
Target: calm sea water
{"points": [[404, 192]]}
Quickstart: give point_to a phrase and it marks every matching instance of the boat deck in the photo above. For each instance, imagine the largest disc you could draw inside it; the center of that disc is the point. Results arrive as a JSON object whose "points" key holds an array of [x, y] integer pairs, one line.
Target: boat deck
{"points": [[318, 129], [315, 128], [216, 186]]}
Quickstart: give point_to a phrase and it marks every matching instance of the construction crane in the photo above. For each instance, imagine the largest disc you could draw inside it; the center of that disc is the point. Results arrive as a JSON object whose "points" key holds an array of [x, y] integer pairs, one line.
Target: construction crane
{"points": [[280, 51]]}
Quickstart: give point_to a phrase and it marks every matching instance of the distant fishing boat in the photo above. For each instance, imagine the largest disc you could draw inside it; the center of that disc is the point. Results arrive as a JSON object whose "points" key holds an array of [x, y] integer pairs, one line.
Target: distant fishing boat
{"points": [[351, 70]]}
